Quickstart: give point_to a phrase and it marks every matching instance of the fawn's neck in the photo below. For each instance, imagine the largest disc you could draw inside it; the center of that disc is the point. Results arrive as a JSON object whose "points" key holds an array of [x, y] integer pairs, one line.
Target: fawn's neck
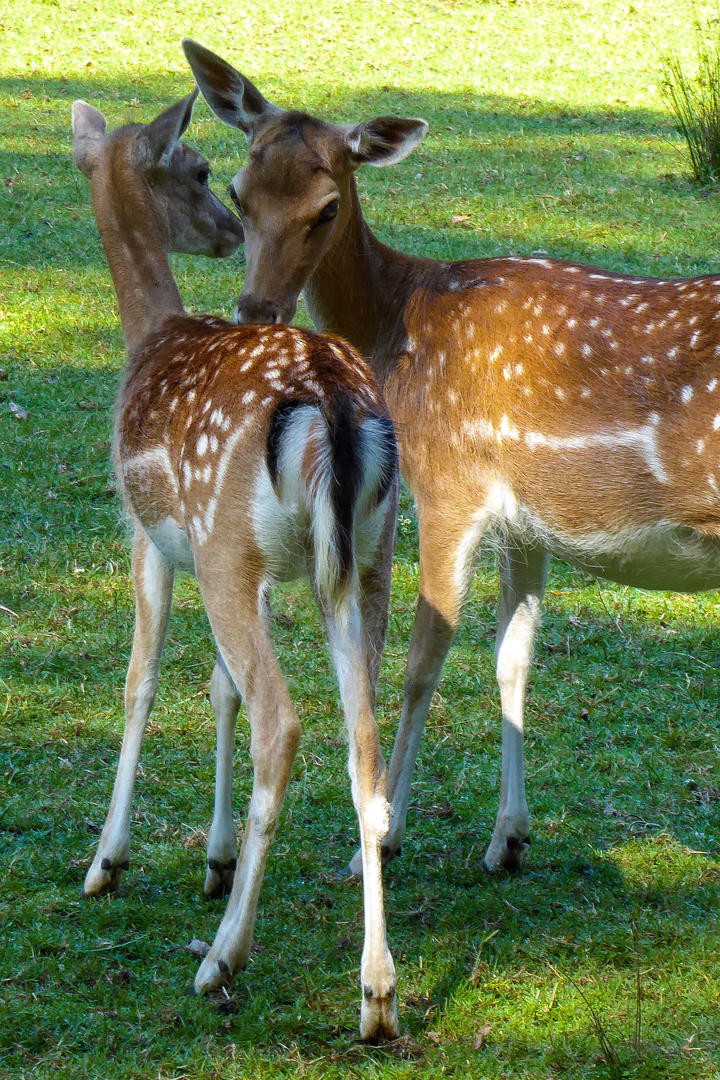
{"points": [[136, 254]]}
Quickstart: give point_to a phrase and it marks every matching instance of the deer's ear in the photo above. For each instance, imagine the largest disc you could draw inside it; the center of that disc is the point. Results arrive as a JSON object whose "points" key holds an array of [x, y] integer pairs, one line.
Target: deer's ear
{"points": [[163, 134], [230, 95], [384, 140], [88, 127]]}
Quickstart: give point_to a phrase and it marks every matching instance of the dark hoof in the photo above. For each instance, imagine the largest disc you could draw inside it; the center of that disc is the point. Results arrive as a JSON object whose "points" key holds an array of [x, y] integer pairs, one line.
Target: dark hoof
{"points": [[225, 873], [108, 865], [388, 854], [220, 890], [512, 862]]}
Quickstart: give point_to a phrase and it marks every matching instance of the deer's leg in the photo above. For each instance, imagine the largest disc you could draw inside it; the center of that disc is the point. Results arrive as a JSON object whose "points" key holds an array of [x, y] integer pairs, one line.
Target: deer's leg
{"points": [[375, 595], [378, 1013], [222, 844], [447, 551], [153, 581], [523, 571], [249, 657]]}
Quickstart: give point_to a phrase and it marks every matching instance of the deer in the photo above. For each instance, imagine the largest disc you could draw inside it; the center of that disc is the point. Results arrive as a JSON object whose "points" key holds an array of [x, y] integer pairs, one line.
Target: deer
{"points": [[245, 455], [563, 410]]}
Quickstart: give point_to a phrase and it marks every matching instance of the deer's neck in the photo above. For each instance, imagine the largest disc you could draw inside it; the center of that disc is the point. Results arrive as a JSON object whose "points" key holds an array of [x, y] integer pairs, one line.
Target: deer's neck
{"points": [[360, 288], [136, 254]]}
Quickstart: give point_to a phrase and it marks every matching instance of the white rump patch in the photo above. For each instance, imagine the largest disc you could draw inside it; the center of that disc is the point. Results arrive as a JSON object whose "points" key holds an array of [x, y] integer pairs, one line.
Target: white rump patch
{"points": [[172, 542]]}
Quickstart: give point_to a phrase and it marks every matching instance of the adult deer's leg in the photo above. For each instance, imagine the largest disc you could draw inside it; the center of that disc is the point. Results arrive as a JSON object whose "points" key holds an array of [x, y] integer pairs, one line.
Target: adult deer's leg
{"points": [[447, 548], [523, 571], [222, 844], [247, 651], [378, 1014], [153, 581]]}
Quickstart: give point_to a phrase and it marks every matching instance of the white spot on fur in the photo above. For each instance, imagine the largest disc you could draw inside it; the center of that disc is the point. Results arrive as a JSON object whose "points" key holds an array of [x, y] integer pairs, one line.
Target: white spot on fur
{"points": [[508, 430], [210, 514]]}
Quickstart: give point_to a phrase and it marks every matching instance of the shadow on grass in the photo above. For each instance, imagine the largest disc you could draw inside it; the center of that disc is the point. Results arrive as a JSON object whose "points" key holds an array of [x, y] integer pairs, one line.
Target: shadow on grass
{"points": [[571, 908], [514, 151], [98, 965]]}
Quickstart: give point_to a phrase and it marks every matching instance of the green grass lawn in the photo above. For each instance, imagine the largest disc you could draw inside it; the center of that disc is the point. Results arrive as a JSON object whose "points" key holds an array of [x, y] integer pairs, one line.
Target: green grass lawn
{"points": [[548, 132]]}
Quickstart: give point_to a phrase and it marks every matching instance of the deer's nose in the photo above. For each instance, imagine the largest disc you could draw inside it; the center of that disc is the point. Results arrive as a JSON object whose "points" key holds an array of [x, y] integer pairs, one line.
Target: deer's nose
{"points": [[264, 312]]}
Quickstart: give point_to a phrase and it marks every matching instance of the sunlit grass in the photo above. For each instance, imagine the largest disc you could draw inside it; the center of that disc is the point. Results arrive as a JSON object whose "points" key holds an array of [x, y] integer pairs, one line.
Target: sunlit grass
{"points": [[549, 131]]}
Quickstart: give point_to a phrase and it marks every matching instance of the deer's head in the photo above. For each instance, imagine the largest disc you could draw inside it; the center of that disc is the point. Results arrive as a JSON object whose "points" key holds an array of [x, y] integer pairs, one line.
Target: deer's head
{"points": [[174, 177], [294, 195]]}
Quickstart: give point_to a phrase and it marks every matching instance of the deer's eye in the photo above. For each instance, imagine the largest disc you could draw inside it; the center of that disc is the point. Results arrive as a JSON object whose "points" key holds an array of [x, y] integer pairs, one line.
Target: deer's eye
{"points": [[328, 213], [203, 175]]}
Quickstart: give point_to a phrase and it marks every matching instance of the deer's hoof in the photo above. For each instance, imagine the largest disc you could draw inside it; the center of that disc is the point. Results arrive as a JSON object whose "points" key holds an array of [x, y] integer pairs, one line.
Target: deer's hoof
{"points": [[506, 855], [213, 974], [378, 1016], [219, 878], [104, 876]]}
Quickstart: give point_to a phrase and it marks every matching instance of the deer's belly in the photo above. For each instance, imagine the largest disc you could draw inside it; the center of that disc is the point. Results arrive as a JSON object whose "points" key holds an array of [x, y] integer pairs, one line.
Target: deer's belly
{"points": [[661, 556]]}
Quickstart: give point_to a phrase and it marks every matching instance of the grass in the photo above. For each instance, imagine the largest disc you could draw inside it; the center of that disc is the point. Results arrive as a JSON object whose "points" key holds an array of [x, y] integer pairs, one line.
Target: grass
{"points": [[549, 131]]}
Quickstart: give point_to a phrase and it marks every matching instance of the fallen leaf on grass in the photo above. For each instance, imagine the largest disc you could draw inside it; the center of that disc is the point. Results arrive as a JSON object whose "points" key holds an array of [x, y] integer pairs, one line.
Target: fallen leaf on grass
{"points": [[481, 1036], [434, 1037], [198, 948], [17, 410], [459, 219]]}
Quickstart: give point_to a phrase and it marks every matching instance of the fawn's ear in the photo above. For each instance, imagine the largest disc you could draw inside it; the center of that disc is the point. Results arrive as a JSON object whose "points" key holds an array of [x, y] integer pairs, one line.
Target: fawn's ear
{"points": [[88, 127], [163, 134], [384, 140], [230, 95]]}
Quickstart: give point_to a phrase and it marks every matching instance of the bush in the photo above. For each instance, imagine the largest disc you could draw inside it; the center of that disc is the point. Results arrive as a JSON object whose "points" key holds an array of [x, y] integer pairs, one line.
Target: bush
{"points": [[696, 103]]}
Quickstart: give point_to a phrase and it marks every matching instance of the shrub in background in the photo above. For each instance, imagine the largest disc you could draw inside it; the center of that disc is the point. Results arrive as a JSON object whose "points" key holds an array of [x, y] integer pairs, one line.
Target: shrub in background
{"points": [[696, 102]]}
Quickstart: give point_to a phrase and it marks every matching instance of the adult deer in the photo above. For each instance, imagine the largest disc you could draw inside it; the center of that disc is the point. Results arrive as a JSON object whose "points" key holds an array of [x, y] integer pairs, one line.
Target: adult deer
{"points": [[246, 455], [575, 412]]}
